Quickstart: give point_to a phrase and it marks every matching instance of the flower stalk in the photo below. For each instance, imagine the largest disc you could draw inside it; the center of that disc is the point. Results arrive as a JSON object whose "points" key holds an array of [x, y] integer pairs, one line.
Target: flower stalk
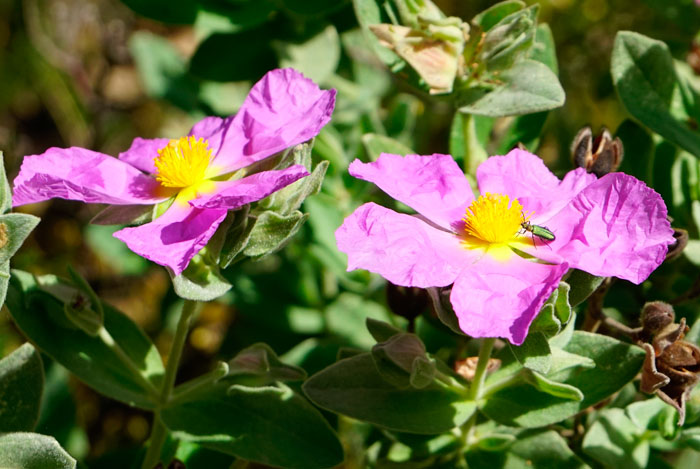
{"points": [[159, 432]]}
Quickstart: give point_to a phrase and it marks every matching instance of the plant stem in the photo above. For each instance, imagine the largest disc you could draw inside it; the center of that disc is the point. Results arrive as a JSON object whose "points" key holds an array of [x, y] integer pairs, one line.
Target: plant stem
{"points": [[482, 364], [475, 390], [159, 432], [474, 153], [126, 360]]}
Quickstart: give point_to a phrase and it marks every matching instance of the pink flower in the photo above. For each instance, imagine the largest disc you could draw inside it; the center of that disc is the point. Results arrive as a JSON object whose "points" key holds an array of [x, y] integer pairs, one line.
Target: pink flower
{"points": [[200, 176], [502, 274]]}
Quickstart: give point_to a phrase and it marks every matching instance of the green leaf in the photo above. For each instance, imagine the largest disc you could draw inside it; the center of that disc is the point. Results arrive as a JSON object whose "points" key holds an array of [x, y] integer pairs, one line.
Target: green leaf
{"points": [[21, 388], [644, 76], [354, 387], [162, 70], [290, 198], [317, 58], [528, 87], [488, 18], [534, 353], [520, 404], [496, 441], [563, 360], [121, 362], [544, 48], [269, 425], [582, 286], [272, 232], [645, 414], [376, 144], [553, 388], [5, 191], [200, 281], [380, 330], [615, 441], [532, 448], [368, 13], [33, 451], [14, 229]]}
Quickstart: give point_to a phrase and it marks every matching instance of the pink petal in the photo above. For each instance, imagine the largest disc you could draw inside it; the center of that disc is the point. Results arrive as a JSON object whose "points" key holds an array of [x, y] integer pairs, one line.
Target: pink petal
{"points": [[79, 174], [501, 298], [142, 153], [522, 175], [401, 248], [175, 237], [617, 226], [282, 110], [433, 185], [231, 195]]}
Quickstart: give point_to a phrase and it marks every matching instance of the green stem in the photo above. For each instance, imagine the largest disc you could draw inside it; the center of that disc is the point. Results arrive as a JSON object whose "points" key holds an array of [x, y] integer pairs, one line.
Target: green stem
{"points": [[482, 364], [474, 153], [126, 360], [475, 390], [183, 391], [159, 432]]}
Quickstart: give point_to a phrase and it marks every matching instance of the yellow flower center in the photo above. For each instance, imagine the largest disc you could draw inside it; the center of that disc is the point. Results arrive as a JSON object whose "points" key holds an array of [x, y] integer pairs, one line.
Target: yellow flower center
{"points": [[494, 218], [183, 162]]}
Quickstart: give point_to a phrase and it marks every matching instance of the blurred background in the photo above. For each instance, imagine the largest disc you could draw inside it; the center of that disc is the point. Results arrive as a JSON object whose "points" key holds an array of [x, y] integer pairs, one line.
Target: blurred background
{"points": [[97, 73]]}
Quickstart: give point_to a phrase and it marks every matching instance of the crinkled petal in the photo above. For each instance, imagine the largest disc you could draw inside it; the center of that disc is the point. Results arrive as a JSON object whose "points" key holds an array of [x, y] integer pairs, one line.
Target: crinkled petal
{"points": [[175, 237], [401, 248], [433, 185], [282, 110], [231, 195], [616, 226], [79, 174], [142, 153], [524, 176], [501, 298]]}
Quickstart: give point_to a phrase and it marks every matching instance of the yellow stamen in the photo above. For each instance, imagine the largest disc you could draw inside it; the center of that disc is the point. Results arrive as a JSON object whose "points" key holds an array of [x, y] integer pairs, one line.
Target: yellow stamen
{"points": [[183, 162], [494, 218]]}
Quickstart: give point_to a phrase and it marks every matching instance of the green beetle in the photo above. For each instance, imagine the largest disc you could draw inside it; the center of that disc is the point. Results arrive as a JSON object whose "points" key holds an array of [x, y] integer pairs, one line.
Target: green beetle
{"points": [[541, 232]]}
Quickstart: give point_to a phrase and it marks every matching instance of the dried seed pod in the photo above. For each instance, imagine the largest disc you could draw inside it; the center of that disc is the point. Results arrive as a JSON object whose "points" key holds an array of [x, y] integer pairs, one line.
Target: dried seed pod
{"points": [[600, 155], [671, 365]]}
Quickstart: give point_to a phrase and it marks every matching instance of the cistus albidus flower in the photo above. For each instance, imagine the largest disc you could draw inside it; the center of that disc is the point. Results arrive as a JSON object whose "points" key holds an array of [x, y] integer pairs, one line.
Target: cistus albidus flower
{"points": [[196, 179], [502, 273]]}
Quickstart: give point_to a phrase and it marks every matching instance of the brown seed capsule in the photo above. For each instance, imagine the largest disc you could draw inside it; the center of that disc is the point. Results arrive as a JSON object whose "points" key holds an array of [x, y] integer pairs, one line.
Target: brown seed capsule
{"points": [[671, 365], [600, 155]]}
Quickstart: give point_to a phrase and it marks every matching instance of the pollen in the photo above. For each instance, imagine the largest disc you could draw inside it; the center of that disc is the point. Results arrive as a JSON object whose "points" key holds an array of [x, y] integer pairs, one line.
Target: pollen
{"points": [[183, 162], [494, 218]]}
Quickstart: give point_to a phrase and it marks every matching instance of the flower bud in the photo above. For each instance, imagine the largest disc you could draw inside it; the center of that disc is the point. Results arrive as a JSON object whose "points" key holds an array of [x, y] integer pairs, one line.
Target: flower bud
{"points": [[656, 315], [407, 302]]}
